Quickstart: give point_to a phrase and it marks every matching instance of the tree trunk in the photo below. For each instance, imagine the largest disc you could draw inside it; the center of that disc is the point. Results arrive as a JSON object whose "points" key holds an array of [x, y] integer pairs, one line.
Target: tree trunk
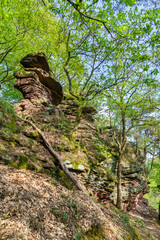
{"points": [[119, 192], [122, 146], [145, 153], [145, 147], [153, 157], [123, 128], [137, 145]]}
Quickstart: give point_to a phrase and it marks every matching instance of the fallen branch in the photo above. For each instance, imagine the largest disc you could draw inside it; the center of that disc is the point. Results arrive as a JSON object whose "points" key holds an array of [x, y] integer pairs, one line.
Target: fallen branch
{"points": [[57, 156], [69, 174]]}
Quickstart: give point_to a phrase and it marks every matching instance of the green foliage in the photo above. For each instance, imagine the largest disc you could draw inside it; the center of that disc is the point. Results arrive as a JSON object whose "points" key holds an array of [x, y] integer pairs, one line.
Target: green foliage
{"points": [[78, 236], [26, 27], [128, 225], [7, 117], [140, 222], [79, 38], [154, 195], [58, 210], [59, 214], [63, 125], [54, 208], [41, 196]]}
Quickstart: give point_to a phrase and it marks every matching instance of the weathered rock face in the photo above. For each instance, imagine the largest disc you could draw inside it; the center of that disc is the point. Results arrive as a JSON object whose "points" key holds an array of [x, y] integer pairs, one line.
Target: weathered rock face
{"points": [[37, 84], [37, 60], [91, 155], [134, 184], [70, 105]]}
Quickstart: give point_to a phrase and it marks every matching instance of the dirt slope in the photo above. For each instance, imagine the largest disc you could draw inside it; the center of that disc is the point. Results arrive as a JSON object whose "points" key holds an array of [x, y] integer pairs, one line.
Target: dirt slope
{"points": [[36, 206]]}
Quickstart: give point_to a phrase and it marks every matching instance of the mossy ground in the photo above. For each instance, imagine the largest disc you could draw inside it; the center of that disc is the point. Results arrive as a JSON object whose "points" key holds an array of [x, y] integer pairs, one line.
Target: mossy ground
{"points": [[95, 233]]}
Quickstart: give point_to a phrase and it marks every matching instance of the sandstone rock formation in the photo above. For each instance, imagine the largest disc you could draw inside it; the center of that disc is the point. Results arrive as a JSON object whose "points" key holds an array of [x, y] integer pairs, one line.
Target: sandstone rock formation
{"points": [[91, 156], [37, 84]]}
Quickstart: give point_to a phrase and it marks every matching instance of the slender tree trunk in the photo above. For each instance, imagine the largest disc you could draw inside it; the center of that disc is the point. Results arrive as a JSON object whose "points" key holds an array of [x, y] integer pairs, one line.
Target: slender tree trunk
{"points": [[123, 128], [145, 147], [153, 157], [77, 121], [119, 192], [137, 147], [122, 147], [145, 153]]}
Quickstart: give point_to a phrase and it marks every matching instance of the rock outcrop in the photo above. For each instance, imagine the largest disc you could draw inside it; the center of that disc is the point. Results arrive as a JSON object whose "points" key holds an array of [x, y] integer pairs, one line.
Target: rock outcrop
{"points": [[90, 155], [37, 84]]}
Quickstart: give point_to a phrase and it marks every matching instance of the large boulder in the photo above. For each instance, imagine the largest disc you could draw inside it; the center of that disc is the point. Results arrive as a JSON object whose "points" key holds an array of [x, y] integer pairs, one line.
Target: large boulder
{"points": [[36, 60], [37, 84]]}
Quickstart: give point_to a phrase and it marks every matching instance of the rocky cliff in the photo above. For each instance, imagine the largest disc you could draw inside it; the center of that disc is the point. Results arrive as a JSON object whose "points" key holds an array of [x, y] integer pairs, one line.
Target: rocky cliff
{"points": [[88, 154]]}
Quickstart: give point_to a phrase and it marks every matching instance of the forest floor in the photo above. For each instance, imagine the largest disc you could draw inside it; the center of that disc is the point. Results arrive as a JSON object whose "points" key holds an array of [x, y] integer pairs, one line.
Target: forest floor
{"points": [[147, 215], [35, 206]]}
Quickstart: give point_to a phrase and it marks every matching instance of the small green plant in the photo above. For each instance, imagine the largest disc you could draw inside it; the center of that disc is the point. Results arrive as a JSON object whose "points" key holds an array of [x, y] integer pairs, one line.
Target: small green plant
{"points": [[140, 222], [54, 208], [78, 236], [152, 237], [127, 224], [63, 196], [41, 196], [123, 236], [69, 205], [74, 205], [80, 233], [125, 218], [64, 217]]}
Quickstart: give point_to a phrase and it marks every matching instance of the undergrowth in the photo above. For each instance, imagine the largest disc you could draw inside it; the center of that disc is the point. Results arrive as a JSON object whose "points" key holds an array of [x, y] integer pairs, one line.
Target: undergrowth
{"points": [[7, 117], [128, 225]]}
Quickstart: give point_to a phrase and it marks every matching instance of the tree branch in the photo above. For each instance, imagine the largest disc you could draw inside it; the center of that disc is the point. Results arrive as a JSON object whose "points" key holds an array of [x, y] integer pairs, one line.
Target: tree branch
{"points": [[92, 18], [94, 68]]}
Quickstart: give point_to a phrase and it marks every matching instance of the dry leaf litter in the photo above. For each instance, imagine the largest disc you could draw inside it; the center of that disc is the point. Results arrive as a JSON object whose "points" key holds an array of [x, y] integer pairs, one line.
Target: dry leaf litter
{"points": [[37, 207]]}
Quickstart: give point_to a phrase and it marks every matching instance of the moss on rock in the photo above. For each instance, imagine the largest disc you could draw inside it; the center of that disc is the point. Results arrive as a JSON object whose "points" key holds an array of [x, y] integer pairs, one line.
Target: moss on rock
{"points": [[64, 179], [96, 233], [23, 161], [32, 134]]}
